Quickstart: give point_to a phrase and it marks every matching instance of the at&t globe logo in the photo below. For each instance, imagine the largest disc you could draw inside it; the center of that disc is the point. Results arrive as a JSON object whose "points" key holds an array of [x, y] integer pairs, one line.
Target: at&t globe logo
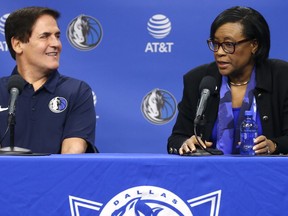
{"points": [[159, 27], [3, 44]]}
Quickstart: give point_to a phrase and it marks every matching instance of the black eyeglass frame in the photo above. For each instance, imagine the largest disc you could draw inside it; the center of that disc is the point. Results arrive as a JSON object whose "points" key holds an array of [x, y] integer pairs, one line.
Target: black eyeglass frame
{"points": [[210, 41]]}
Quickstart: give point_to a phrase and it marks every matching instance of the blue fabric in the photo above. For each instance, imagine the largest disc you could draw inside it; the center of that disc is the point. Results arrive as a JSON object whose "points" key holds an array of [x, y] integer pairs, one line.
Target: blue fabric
{"points": [[236, 112], [41, 186], [228, 134]]}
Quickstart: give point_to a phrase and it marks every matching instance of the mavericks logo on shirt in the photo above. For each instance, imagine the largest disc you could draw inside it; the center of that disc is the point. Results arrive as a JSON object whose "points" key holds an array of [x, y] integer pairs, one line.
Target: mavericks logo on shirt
{"points": [[58, 104]]}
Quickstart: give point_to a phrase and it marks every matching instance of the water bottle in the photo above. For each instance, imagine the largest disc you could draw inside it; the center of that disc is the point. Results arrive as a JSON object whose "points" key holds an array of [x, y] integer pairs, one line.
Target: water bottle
{"points": [[248, 132]]}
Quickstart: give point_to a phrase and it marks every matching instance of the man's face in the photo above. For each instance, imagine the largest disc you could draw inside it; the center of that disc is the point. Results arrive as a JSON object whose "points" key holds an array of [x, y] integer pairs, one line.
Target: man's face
{"points": [[42, 52]]}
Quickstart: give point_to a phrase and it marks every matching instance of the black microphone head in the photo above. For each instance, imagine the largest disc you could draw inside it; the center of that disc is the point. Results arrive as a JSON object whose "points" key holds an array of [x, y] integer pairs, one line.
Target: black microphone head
{"points": [[16, 81], [208, 82]]}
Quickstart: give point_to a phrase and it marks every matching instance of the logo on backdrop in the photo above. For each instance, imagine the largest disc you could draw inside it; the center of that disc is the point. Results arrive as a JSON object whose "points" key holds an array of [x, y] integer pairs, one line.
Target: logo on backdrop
{"points": [[84, 32], [159, 27], [95, 102], [159, 106], [3, 44], [94, 98], [147, 200]]}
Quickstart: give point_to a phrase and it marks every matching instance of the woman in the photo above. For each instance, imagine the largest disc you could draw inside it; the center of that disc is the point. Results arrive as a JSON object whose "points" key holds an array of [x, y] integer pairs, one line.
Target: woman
{"points": [[246, 80]]}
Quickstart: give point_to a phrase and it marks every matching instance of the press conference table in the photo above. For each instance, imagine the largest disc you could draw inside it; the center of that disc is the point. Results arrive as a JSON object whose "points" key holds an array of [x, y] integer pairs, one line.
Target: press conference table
{"points": [[121, 184]]}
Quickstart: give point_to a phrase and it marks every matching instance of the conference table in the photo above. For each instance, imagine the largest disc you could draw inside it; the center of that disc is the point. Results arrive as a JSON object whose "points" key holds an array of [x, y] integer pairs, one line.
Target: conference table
{"points": [[143, 184]]}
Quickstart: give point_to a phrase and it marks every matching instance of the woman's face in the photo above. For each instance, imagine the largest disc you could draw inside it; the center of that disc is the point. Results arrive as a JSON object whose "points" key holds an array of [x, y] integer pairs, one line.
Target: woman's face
{"points": [[241, 61]]}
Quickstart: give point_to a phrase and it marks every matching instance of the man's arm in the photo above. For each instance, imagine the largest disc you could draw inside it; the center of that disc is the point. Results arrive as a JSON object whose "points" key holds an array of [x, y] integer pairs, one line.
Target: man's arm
{"points": [[73, 146]]}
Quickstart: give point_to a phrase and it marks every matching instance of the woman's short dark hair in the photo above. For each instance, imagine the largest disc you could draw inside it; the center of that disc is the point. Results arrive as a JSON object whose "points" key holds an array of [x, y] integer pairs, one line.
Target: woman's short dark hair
{"points": [[19, 24], [254, 27]]}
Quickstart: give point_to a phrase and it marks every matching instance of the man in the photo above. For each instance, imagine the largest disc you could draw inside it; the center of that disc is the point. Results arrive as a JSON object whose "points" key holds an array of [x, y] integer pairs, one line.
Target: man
{"points": [[54, 113]]}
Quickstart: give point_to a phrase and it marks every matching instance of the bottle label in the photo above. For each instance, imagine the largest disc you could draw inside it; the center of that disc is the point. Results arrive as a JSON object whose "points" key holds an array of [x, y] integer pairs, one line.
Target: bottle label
{"points": [[247, 143]]}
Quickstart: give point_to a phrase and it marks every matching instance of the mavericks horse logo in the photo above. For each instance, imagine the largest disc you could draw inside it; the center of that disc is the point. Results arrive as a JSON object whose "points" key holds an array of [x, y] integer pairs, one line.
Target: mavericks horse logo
{"points": [[137, 206], [58, 104], [148, 201], [84, 32], [159, 106]]}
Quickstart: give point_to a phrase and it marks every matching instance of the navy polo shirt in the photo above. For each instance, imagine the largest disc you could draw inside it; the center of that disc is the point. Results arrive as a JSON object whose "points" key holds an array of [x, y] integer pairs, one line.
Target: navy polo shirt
{"points": [[62, 108]]}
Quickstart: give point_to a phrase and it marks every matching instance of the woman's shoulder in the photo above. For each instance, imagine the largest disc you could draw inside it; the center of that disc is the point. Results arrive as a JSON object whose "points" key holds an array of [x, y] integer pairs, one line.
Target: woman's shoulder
{"points": [[277, 63], [274, 68], [202, 70]]}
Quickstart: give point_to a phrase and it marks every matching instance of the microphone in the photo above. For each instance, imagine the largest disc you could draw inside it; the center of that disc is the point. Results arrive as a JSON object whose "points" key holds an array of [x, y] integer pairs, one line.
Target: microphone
{"points": [[206, 87], [15, 86]]}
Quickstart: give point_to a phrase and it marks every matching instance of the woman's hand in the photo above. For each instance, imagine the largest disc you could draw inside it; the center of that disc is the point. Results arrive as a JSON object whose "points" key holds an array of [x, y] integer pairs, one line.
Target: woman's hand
{"points": [[262, 145], [190, 145]]}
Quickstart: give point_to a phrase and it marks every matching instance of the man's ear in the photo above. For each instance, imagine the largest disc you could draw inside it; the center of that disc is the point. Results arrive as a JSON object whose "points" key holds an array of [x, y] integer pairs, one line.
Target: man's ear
{"points": [[16, 45]]}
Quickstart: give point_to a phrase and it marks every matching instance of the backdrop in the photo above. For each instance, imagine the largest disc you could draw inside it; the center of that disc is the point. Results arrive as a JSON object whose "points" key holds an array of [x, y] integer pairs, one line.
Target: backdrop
{"points": [[134, 53]]}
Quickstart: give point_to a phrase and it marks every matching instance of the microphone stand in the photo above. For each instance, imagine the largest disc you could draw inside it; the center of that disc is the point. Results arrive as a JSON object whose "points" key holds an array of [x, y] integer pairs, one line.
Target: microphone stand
{"points": [[200, 120], [12, 150]]}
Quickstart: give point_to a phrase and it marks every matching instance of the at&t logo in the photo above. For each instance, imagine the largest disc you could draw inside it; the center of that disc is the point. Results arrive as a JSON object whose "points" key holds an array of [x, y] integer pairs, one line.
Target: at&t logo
{"points": [[159, 27], [3, 44]]}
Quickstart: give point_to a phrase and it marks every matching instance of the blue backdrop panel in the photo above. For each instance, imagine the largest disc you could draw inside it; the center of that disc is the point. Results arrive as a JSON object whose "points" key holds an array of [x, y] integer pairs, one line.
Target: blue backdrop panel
{"points": [[129, 63]]}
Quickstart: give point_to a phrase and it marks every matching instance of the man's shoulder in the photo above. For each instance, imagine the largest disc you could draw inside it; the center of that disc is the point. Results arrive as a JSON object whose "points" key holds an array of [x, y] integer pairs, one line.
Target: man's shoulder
{"points": [[71, 87], [4, 83], [71, 82], [4, 79]]}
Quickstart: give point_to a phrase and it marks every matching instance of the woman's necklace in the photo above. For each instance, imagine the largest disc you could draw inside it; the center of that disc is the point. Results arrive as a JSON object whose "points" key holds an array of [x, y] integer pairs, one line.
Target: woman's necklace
{"points": [[239, 84]]}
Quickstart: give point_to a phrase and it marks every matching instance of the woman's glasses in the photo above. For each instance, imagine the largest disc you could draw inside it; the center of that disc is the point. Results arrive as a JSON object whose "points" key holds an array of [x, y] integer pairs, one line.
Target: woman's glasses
{"points": [[228, 47]]}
